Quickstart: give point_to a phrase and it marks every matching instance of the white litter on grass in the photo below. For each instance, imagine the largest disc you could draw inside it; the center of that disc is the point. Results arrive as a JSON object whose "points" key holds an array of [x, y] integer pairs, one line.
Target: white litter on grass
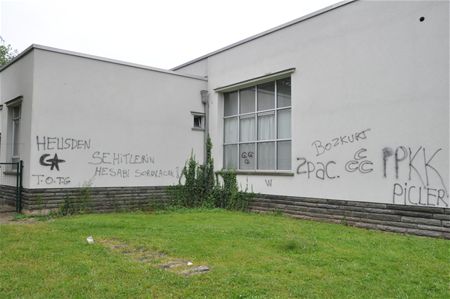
{"points": [[90, 240], [189, 263]]}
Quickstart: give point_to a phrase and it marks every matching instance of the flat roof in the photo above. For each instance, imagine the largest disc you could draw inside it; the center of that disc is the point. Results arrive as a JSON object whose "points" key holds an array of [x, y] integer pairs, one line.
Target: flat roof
{"points": [[267, 32], [98, 58]]}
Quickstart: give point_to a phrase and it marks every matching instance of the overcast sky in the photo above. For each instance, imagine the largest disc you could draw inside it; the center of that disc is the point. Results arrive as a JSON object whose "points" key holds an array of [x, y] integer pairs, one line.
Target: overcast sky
{"points": [[163, 33]]}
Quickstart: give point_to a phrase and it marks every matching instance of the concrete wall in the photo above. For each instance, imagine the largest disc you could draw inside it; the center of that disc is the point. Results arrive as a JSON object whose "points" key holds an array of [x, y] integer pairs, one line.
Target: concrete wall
{"points": [[107, 125], [1, 121], [199, 68], [369, 67], [16, 81]]}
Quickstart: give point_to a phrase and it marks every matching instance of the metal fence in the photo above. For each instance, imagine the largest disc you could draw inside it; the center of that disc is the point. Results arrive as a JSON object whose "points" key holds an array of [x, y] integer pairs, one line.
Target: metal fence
{"points": [[11, 184]]}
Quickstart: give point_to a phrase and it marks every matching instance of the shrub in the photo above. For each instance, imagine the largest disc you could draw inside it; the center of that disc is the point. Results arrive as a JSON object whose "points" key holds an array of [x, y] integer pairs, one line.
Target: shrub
{"points": [[199, 186]]}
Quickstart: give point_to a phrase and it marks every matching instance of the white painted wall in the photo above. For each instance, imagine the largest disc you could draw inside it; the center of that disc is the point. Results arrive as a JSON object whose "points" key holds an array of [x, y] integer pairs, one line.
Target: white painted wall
{"points": [[100, 108], [368, 66], [1, 117], [16, 80], [199, 68], [365, 66]]}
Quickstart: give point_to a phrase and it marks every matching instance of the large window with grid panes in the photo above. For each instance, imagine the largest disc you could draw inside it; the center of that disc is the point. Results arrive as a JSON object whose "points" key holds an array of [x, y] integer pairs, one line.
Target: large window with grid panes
{"points": [[257, 127]]}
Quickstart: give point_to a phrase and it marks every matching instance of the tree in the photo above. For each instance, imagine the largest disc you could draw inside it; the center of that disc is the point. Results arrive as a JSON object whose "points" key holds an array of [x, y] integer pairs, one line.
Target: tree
{"points": [[7, 53]]}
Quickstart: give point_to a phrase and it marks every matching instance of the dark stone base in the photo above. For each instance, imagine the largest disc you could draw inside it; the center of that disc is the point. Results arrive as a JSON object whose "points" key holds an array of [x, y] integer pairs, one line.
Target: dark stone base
{"points": [[99, 199], [416, 220], [8, 195]]}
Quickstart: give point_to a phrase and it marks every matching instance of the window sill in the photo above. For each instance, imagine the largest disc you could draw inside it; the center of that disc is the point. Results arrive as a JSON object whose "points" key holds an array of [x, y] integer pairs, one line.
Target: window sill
{"points": [[260, 172], [198, 129], [10, 172]]}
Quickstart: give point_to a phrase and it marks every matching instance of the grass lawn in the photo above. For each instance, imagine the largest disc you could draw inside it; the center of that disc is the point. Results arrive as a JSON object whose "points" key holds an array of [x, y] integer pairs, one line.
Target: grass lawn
{"points": [[250, 256]]}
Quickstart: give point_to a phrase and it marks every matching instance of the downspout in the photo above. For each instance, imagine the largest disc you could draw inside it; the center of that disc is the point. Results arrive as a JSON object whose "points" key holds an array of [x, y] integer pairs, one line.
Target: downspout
{"points": [[205, 102]]}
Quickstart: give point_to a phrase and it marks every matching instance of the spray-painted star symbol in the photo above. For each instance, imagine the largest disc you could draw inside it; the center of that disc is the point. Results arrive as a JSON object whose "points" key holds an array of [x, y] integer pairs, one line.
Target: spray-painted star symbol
{"points": [[53, 163]]}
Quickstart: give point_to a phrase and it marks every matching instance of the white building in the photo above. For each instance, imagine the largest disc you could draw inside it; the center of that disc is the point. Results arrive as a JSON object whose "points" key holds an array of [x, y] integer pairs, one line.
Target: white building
{"points": [[340, 115]]}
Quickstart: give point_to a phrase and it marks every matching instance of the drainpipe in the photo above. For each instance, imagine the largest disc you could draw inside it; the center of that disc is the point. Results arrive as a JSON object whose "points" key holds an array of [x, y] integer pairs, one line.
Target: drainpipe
{"points": [[205, 102]]}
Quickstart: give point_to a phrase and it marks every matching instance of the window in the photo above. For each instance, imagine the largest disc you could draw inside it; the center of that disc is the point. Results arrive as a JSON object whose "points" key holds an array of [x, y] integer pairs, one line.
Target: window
{"points": [[257, 127], [14, 113], [198, 121]]}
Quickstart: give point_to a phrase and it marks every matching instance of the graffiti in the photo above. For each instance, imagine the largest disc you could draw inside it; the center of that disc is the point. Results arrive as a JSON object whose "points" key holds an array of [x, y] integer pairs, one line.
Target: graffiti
{"points": [[387, 152], [247, 156], [46, 143], [423, 168], [268, 182], [126, 173], [415, 163], [411, 163], [418, 195], [42, 179], [52, 163], [120, 165], [319, 170], [102, 158], [157, 173], [323, 147], [359, 163], [113, 172]]}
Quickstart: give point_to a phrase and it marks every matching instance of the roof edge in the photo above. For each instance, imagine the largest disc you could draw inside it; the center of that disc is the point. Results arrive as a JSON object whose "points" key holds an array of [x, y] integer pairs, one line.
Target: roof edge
{"points": [[18, 57], [98, 58], [267, 32]]}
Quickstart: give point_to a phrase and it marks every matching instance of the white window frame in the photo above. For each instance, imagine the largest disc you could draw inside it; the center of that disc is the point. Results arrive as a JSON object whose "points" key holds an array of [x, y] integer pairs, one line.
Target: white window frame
{"points": [[254, 84], [200, 115], [12, 123]]}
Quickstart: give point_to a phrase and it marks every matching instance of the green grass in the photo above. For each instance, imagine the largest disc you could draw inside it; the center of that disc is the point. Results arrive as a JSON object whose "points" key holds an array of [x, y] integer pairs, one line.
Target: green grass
{"points": [[250, 256]]}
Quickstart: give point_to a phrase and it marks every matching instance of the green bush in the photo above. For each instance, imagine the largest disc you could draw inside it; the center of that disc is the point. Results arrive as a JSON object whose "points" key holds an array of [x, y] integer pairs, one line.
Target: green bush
{"points": [[199, 186]]}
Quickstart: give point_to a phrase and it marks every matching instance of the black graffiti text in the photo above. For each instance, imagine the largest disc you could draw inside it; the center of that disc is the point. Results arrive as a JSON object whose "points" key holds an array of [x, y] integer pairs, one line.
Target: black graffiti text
{"points": [[319, 170], [113, 172], [359, 162], [50, 162], [419, 195], [416, 162], [156, 173], [105, 158], [322, 147], [247, 156], [45, 143], [42, 179], [126, 173]]}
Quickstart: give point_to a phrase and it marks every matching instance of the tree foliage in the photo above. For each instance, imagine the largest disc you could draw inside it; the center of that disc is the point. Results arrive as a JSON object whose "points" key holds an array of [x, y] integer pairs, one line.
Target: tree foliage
{"points": [[7, 53]]}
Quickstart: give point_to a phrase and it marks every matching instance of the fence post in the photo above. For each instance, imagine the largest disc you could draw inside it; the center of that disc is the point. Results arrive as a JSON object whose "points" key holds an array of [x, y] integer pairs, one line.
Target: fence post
{"points": [[20, 185], [19, 170], [17, 186]]}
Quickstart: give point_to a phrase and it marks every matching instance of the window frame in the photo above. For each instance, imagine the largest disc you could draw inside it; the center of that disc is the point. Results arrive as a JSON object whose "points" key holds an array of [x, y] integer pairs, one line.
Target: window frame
{"points": [[12, 121], [201, 115], [256, 114]]}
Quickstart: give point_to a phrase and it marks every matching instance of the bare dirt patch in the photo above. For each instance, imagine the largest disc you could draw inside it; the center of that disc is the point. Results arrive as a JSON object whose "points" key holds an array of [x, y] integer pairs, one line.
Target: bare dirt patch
{"points": [[154, 258], [11, 218], [6, 217]]}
